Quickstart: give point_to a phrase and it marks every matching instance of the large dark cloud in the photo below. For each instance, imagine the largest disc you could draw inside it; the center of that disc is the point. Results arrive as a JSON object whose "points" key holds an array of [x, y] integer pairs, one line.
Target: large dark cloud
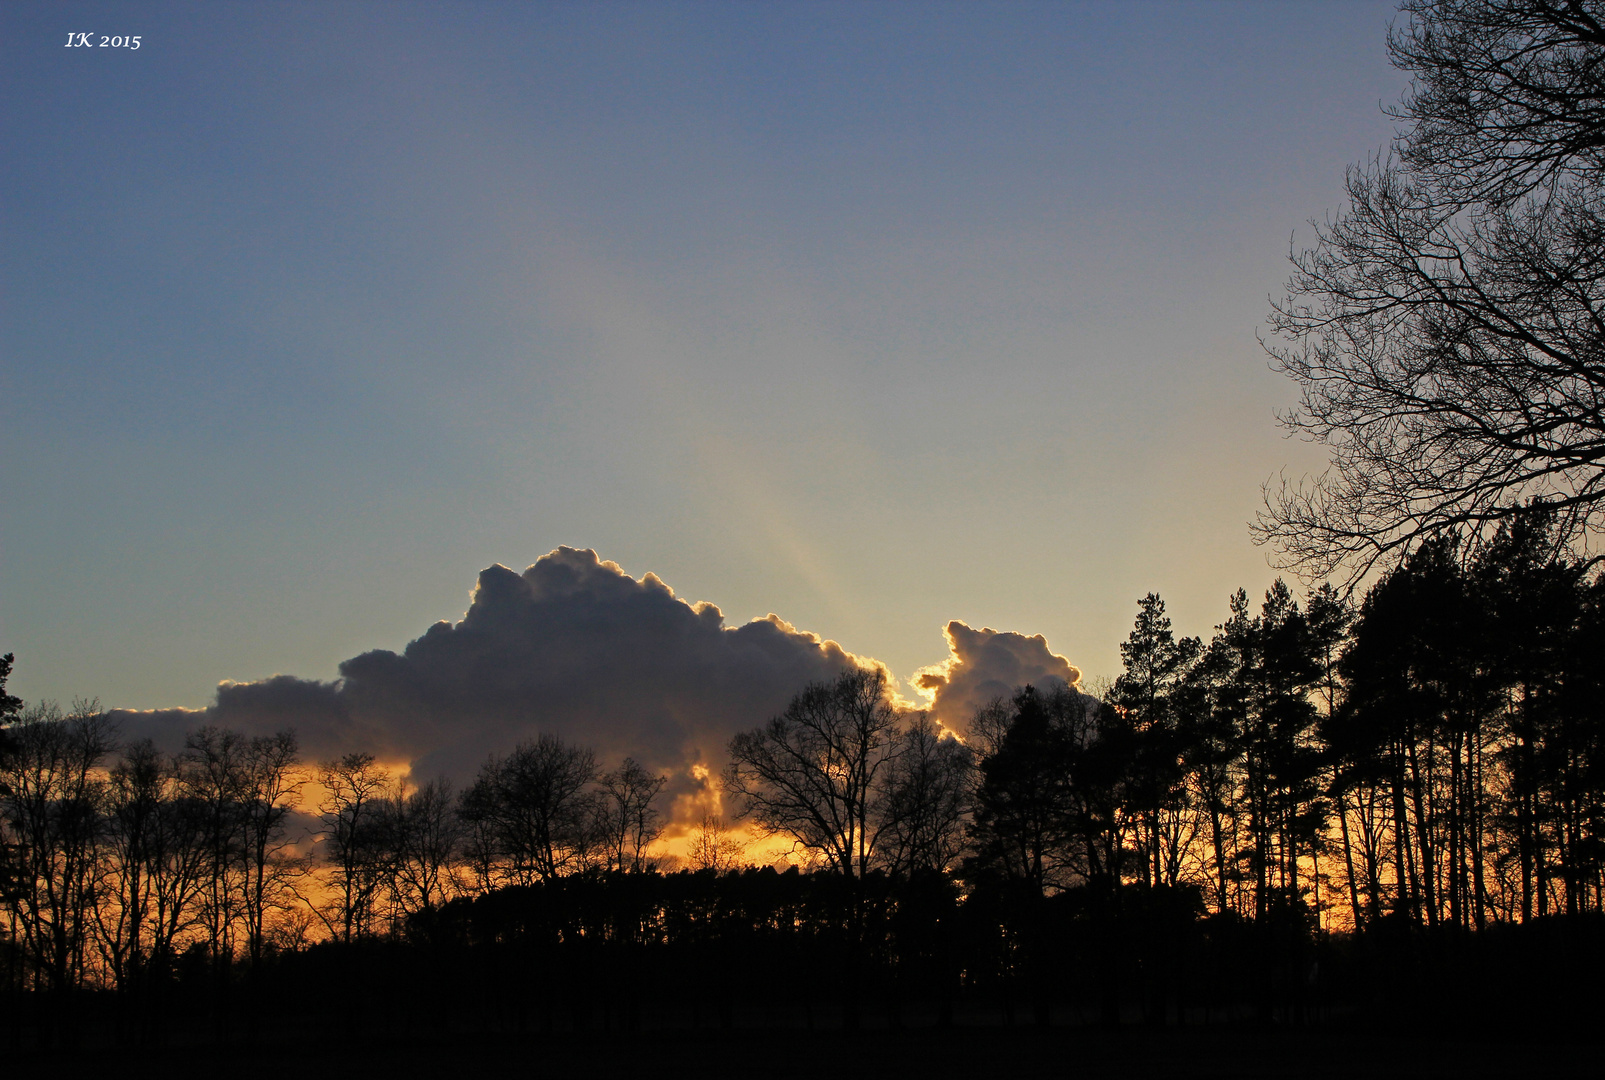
{"points": [[573, 646], [576, 647]]}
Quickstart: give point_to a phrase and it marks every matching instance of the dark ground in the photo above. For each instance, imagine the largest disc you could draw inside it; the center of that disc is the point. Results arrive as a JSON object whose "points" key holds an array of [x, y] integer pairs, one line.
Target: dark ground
{"points": [[1195, 1055]]}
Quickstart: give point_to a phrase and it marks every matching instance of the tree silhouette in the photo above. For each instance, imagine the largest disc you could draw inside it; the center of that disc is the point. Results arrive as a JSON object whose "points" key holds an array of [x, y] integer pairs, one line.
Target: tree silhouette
{"points": [[1284, 762], [534, 810], [1420, 700], [270, 789], [1147, 692], [713, 847], [1535, 616], [52, 812], [1026, 822], [627, 821], [1215, 700], [1508, 99], [160, 862], [424, 836], [925, 801], [10, 707], [135, 791], [1445, 330], [814, 772], [355, 834]]}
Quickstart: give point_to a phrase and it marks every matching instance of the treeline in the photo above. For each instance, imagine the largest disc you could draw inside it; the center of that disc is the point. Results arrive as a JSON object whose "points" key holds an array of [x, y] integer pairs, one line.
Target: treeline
{"points": [[124, 865], [1256, 825], [1434, 755], [1437, 755]]}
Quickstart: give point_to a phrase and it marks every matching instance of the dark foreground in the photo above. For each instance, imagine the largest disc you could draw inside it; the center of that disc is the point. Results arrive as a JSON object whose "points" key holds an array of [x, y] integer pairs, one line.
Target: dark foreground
{"points": [[1194, 1054]]}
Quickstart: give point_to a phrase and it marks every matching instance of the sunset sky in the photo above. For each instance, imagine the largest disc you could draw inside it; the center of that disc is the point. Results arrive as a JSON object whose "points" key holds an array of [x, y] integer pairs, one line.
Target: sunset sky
{"points": [[874, 316]]}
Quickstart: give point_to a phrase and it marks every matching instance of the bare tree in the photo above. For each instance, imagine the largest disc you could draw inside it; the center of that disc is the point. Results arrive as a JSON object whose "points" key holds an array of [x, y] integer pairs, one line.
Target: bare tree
{"points": [[355, 787], [1447, 331], [532, 813], [425, 834], [990, 726], [628, 822], [481, 846], [925, 801], [177, 853], [714, 847], [270, 788], [244, 788], [10, 708], [1508, 99], [813, 773], [135, 791], [212, 763], [52, 813]]}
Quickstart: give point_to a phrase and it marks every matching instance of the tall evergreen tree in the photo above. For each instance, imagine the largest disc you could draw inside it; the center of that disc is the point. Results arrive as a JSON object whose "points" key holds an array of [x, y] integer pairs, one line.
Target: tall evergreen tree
{"points": [[1156, 667], [1534, 606], [1024, 817]]}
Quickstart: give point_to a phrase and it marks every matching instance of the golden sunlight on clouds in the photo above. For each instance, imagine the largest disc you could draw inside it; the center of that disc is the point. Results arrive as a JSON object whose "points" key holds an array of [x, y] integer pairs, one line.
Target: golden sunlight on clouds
{"points": [[985, 664], [699, 836]]}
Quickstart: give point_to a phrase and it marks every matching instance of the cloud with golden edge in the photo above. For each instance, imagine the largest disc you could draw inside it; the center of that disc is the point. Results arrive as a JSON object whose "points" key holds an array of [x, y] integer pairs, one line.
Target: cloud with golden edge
{"points": [[985, 664], [574, 647]]}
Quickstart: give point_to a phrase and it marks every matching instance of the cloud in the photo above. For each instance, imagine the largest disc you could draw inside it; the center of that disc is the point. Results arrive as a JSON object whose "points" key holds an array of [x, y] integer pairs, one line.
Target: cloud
{"points": [[984, 664], [165, 727], [573, 646]]}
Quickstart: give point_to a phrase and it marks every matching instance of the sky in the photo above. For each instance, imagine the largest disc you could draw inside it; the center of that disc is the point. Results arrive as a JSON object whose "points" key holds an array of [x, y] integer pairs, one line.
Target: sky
{"points": [[883, 318]]}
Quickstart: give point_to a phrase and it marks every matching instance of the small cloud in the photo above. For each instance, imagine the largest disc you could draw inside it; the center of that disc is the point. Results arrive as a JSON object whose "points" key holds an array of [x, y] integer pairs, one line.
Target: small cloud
{"points": [[985, 664]]}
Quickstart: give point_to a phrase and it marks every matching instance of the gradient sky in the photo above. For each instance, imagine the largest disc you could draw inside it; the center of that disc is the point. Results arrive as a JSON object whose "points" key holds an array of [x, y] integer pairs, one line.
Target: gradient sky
{"points": [[872, 315]]}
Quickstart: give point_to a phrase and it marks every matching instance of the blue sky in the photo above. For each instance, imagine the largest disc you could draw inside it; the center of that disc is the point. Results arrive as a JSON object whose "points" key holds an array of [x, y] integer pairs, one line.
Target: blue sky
{"points": [[871, 315]]}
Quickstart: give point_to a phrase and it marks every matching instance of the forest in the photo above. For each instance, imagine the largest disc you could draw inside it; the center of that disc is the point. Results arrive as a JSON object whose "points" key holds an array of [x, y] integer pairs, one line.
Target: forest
{"points": [[1390, 809]]}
